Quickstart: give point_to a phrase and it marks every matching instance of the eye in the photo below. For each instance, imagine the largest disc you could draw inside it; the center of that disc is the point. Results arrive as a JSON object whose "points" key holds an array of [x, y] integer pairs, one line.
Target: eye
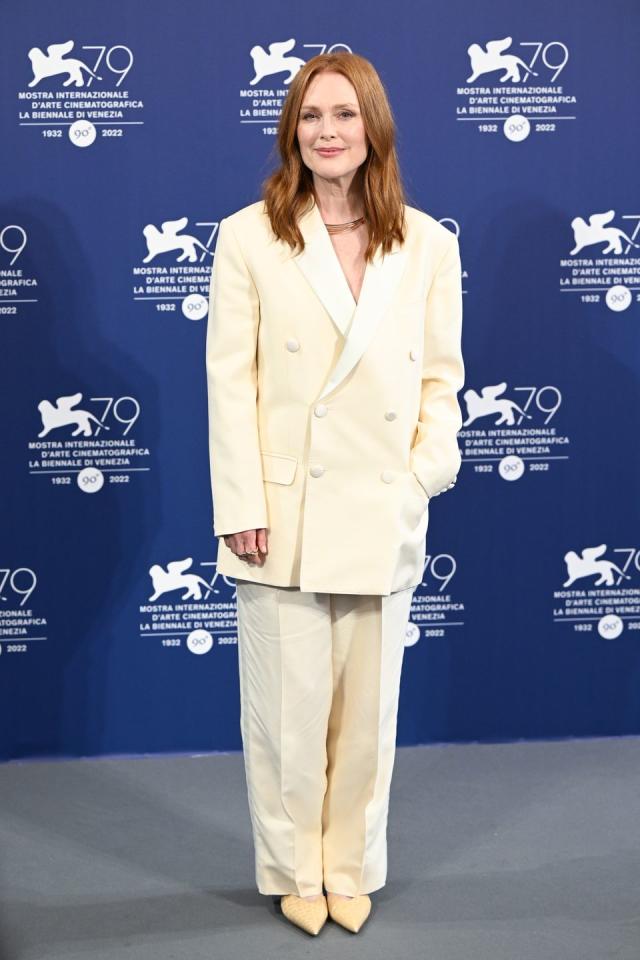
{"points": [[343, 113]]}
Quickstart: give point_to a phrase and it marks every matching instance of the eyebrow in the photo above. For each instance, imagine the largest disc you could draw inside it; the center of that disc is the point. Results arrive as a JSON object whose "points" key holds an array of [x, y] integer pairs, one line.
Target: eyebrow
{"points": [[312, 106]]}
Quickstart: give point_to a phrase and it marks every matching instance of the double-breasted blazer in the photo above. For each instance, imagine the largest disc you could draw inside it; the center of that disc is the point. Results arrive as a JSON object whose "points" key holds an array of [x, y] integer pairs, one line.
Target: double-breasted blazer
{"points": [[332, 423]]}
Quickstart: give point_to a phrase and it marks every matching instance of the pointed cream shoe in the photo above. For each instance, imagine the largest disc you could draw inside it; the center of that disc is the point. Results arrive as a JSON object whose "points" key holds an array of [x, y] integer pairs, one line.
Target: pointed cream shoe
{"points": [[311, 915], [350, 913]]}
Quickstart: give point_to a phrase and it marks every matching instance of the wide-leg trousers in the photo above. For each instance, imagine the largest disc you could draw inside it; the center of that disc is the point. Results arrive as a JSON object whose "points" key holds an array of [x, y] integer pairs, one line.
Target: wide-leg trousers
{"points": [[319, 689]]}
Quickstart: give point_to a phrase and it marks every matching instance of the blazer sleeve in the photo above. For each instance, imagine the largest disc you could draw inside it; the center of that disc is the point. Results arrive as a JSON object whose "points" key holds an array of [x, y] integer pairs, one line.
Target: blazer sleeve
{"points": [[435, 456], [232, 386]]}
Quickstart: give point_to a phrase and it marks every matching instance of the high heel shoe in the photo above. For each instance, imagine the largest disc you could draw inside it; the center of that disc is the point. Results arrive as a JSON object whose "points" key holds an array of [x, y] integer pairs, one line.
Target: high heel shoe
{"points": [[310, 915], [349, 913]]}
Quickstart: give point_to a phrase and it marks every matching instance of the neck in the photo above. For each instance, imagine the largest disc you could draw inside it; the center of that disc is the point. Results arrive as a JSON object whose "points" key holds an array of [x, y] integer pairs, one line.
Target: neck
{"points": [[339, 208]]}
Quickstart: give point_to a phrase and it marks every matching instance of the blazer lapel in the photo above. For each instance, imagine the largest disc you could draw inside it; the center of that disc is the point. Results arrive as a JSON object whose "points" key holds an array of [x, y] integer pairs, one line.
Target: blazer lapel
{"points": [[356, 322]]}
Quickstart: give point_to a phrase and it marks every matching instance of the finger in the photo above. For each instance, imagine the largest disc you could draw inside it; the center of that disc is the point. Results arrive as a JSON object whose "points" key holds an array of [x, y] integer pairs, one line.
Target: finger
{"points": [[250, 548], [236, 544], [261, 540]]}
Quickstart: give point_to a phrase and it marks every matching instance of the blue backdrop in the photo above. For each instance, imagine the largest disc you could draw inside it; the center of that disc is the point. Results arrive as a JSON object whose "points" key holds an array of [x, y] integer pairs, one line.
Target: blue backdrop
{"points": [[129, 131]]}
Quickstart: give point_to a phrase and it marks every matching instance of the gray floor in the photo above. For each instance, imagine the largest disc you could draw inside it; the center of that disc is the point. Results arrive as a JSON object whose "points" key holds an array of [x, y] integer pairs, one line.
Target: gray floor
{"points": [[514, 851]]}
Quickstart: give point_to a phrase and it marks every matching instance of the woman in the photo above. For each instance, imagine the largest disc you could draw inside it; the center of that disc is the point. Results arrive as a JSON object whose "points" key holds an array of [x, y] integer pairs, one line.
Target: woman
{"points": [[333, 365]]}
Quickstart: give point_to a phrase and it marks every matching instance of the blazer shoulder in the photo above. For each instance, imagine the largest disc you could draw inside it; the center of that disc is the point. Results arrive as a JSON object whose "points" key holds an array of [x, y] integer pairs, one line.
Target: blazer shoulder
{"points": [[247, 216], [432, 229]]}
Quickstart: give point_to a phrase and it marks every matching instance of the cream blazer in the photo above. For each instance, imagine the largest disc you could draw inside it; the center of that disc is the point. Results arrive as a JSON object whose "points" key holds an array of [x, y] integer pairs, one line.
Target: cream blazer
{"points": [[332, 423]]}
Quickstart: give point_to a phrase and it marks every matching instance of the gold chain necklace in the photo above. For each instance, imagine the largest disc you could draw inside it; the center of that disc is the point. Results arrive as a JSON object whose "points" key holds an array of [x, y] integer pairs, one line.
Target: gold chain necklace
{"points": [[344, 227]]}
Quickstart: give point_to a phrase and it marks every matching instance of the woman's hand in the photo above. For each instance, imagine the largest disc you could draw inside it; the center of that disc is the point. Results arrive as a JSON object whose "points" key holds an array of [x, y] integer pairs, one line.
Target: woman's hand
{"points": [[249, 545]]}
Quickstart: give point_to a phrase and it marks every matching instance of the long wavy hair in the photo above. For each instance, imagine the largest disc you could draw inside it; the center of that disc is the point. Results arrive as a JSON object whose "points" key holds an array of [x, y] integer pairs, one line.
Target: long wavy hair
{"points": [[287, 191]]}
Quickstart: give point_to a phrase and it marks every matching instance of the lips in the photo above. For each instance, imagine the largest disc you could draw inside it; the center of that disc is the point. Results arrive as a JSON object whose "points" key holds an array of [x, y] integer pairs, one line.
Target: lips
{"points": [[329, 153]]}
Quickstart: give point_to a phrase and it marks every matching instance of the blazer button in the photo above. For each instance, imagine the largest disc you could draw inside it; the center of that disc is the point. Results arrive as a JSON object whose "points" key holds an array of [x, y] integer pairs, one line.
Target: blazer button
{"points": [[316, 470], [413, 354], [390, 415], [387, 476], [321, 410], [293, 345]]}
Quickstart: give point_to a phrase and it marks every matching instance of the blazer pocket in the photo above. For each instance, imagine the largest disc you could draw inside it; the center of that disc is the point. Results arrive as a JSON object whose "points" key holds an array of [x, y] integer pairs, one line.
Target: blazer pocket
{"points": [[278, 467], [418, 486]]}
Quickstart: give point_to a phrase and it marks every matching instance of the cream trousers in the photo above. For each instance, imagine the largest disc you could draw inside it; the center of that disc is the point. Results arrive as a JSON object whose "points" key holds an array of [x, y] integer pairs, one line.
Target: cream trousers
{"points": [[319, 689]]}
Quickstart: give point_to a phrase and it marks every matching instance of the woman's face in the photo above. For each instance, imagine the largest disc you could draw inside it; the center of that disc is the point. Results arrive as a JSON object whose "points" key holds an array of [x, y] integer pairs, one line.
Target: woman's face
{"points": [[330, 117]]}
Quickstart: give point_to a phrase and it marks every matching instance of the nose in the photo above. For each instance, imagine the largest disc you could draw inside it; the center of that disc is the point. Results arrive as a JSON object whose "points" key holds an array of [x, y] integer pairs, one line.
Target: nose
{"points": [[326, 127]]}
